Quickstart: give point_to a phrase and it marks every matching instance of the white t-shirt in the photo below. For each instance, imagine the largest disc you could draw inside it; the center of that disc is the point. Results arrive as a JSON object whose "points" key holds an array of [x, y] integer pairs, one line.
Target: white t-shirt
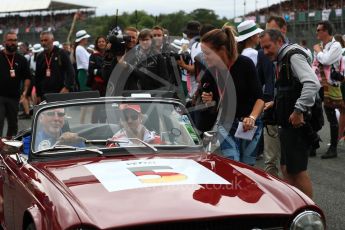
{"points": [[32, 63], [252, 54], [309, 53], [82, 57], [195, 50]]}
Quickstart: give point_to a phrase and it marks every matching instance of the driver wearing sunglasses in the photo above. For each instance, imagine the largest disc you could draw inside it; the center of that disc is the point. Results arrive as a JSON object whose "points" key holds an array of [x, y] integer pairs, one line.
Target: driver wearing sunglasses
{"points": [[132, 127], [50, 131]]}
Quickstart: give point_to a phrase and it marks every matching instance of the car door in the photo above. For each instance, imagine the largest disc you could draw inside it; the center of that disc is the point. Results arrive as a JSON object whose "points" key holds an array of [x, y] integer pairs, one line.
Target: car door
{"points": [[19, 184], [2, 181], [7, 192]]}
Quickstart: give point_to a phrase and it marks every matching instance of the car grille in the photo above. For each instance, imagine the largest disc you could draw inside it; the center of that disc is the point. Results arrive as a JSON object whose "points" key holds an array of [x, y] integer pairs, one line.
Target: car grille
{"points": [[261, 223]]}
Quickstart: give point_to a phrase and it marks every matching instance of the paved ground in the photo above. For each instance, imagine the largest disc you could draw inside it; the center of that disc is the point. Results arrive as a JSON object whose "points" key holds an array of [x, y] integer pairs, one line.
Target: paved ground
{"points": [[328, 182], [327, 176]]}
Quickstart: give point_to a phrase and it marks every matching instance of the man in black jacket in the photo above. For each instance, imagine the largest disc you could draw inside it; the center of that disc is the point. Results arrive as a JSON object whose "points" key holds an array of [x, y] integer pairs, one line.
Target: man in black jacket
{"points": [[14, 70], [54, 70]]}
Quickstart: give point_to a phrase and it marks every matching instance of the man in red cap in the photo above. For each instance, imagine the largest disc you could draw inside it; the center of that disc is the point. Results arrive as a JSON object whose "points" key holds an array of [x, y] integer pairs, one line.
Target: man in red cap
{"points": [[131, 121]]}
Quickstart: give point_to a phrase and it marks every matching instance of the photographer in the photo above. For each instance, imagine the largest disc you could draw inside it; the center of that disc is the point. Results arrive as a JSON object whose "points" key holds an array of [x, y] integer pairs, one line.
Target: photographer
{"points": [[146, 70], [133, 34], [112, 57]]}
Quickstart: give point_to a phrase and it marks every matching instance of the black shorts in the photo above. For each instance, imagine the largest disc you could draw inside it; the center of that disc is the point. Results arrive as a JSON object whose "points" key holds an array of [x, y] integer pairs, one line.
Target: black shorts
{"points": [[295, 148]]}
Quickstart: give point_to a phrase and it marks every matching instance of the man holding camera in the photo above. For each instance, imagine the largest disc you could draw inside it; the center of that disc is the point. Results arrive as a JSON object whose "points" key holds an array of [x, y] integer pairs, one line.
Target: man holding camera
{"points": [[140, 69], [117, 51], [328, 55], [133, 34]]}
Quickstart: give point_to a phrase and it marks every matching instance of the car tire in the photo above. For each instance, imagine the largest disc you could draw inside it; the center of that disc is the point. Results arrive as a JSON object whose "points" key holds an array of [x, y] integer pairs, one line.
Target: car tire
{"points": [[31, 226]]}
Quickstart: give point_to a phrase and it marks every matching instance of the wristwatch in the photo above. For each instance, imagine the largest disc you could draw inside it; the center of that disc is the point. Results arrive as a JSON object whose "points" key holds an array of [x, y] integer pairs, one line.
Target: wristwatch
{"points": [[252, 117], [296, 110]]}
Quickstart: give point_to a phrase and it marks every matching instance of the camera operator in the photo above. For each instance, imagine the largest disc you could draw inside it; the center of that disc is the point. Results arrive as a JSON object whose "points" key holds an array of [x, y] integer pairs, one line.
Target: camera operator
{"points": [[146, 70], [115, 50], [133, 34]]}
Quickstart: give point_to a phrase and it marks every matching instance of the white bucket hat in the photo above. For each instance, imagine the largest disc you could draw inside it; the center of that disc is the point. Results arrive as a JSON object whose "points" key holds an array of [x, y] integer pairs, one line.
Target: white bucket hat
{"points": [[81, 34], [246, 29], [37, 48], [91, 47]]}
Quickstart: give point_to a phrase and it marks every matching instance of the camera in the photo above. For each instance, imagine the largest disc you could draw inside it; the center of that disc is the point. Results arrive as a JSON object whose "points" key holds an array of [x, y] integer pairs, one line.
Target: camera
{"points": [[118, 42], [185, 56], [206, 87]]}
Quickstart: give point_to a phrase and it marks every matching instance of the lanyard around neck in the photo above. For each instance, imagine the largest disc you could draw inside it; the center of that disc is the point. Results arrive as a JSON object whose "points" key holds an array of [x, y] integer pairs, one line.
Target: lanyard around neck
{"points": [[48, 62], [10, 62]]}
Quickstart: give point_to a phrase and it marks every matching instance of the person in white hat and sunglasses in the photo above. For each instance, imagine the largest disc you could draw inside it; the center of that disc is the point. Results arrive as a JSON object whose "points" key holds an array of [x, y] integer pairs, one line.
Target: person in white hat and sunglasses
{"points": [[82, 58], [248, 39]]}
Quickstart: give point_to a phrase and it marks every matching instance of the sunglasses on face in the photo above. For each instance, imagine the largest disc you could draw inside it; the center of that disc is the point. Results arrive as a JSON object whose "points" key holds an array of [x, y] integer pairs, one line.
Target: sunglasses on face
{"points": [[52, 114]]}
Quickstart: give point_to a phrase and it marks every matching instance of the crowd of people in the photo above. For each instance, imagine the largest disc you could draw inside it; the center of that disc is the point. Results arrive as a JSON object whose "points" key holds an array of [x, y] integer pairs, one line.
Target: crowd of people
{"points": [[243, 78], [38, 23], [298, 6]]}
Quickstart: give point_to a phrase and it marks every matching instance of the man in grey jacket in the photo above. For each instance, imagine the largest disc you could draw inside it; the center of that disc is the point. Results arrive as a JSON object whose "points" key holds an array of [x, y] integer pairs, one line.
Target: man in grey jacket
{"points": [[297, 86], [266, 71]]}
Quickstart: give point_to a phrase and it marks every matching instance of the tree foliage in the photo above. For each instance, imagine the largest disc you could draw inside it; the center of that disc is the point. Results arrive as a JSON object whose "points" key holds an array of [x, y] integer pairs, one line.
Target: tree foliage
{"points": [[174, 22]]}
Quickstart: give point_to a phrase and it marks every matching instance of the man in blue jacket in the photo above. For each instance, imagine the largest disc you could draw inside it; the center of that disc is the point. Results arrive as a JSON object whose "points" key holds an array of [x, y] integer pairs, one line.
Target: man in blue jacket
{"points": [[49, 131]]}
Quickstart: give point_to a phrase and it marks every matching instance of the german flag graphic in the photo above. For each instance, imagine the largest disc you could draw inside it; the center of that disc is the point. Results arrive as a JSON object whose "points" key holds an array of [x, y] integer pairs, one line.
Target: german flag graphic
{"points": [[157, 174]]}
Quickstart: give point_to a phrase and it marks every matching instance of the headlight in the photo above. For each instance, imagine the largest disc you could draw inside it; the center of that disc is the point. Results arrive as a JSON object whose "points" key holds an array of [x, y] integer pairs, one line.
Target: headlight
{"points": [[308, 220]]}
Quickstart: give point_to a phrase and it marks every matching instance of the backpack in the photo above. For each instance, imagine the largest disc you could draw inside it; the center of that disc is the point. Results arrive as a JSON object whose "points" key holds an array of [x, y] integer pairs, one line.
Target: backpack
{"points": [[314, 115]]}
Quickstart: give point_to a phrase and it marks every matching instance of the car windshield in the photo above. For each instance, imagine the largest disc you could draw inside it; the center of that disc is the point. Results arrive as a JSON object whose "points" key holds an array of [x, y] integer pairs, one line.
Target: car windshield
{"points": [[112, 124]]}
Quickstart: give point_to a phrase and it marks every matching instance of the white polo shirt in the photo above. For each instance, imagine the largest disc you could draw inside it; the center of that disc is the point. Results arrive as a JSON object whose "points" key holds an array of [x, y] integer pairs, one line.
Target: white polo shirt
{"points": [[82, 57]]}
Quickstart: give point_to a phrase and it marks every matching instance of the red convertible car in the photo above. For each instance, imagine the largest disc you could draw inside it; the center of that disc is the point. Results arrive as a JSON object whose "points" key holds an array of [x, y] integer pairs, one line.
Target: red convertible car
{"points": [[135, 163]]}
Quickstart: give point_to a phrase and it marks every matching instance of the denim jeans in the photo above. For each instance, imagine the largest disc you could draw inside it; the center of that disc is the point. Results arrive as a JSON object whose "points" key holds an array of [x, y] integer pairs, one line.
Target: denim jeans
{"points": [[239, 149]]}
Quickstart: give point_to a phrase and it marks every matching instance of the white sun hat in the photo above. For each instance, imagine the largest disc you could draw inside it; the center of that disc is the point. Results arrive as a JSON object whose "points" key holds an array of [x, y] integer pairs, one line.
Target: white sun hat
{"points": [[81, 34], [37, 48], [246, 29], [91, 47]]}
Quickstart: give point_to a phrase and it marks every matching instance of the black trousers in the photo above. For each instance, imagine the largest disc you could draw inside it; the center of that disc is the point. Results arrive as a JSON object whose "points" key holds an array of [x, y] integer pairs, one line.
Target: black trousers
{"points": [[333, 124], [9, 109]]}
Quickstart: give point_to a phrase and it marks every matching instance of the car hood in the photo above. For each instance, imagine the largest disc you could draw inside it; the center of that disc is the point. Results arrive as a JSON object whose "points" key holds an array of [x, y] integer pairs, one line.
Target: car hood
{"points": [[103, 196]]}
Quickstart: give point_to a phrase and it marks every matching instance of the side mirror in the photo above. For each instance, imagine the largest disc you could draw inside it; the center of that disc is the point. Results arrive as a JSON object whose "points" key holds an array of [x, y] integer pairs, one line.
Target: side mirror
{"points": [[9, 147], [209, 138]]}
